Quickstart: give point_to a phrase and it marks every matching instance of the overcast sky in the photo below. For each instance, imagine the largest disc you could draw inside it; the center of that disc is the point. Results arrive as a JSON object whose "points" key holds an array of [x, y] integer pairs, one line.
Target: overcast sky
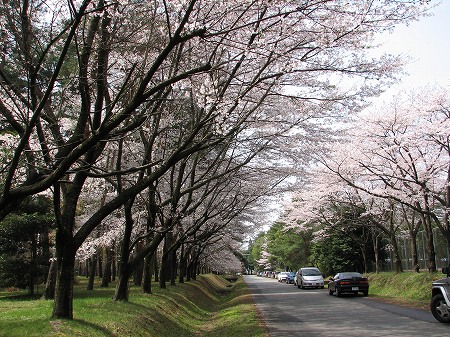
{"points": [[427, 42]]}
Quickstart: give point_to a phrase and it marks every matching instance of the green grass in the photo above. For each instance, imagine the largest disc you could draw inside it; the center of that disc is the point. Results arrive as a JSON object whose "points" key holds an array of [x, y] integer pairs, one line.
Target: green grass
{"points": [[209, 306], [408, 288]]}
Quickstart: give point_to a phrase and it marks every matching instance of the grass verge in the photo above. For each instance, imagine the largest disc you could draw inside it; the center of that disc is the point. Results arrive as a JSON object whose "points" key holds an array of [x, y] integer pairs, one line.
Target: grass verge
{"points": [[407, 288], [209, 306]]}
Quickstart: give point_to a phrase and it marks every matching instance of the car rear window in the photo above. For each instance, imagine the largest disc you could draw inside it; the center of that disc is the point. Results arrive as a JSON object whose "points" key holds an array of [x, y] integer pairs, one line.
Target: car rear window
{"points": [[350, 275]]}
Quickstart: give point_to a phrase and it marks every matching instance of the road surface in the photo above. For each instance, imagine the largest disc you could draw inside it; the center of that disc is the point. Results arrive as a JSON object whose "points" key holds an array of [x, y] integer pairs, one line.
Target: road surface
{"points": [[289, 311]]}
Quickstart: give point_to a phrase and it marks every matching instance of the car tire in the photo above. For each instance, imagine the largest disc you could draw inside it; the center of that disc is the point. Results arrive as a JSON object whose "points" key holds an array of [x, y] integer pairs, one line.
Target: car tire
{"points": [[338, 292], [366, 293], [439, 309]]}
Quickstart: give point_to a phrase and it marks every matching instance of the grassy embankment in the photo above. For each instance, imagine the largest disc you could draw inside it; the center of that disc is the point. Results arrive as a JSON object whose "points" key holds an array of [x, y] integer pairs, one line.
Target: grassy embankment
{"points": [[210, 306], [410, 289]]}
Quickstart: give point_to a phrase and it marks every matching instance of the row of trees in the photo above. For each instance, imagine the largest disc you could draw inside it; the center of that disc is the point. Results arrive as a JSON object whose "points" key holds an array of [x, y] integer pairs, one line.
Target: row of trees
{"points": [[389, 177], [282, 248], [166, 123]]}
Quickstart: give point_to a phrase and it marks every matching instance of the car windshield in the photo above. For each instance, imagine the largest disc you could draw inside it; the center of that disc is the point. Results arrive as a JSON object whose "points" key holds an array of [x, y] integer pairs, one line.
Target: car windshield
{"points": [[311, 272], [284, 273], [349, 275]]}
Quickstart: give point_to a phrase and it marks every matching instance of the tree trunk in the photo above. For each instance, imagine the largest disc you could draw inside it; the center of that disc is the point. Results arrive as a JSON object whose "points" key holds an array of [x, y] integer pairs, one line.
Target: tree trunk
{"points": [[106, 268], [173, 267], [182, 265], [121, 293], [426, 220], [156, 266], [33, 266], [163, 271], [415, 255], [446, 221], [138, 274], [92, 271], [49, 291], [63, 306], [147, 275], [124, 272], [397, 256], [376, 251], [114, 263], [100, 262]]}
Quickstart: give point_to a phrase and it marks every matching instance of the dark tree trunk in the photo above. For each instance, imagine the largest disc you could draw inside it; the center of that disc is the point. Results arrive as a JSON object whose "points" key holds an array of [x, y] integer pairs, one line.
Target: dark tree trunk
{"points": [[106, 269], [138, 274], [33, 265], [194, 269], [182, 265], [188, 272], [92, 271], [114, 263], [397, 257], [147, 275], [121, 293], [163, 271], [415, 255], [63, 307], [49, 291], [65, 250], [150, 259], [156, 266], [124, 271], [100, 262], [173, 267], [426, 220]]}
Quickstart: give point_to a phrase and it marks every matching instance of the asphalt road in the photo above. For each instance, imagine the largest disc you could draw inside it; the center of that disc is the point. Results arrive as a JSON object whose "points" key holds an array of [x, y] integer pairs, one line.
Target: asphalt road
{"points": [[289, 311]]}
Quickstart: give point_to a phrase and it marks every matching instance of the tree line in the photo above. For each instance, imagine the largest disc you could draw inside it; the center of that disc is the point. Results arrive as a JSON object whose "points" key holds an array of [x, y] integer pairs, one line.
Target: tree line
{"points": [[162, 127], [386, 178]]}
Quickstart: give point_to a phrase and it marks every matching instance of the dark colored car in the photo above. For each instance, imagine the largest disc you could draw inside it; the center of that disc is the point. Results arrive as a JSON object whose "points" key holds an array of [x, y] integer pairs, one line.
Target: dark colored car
{"points": [[349, 283]]}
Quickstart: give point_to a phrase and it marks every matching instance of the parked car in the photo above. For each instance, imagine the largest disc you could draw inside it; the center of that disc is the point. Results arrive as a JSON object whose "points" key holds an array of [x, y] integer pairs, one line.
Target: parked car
{"points": [[282, 276], [440, 298], [309, 277], [290, 278], [348, 282]]}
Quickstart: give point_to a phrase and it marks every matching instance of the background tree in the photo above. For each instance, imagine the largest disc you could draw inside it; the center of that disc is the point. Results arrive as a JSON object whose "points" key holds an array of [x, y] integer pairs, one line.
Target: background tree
{"points": [[25, 244]]}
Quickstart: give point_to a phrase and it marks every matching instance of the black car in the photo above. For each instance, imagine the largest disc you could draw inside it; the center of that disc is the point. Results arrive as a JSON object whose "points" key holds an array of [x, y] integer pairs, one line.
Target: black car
{"points": [[349, 282]]}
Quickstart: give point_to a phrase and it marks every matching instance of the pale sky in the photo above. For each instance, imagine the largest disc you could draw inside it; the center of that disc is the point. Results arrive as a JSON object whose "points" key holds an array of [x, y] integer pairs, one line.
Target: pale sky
{"points": [[427, 42]]}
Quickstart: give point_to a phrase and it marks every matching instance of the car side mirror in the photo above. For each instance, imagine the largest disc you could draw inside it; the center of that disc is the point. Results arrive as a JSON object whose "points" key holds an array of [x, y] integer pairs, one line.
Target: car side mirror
{"points": [[446, 270]]}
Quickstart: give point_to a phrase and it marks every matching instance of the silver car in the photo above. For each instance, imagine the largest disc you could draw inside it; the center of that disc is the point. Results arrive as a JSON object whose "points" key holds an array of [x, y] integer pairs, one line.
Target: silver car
{"points": [[440, 298], [309, 277]]}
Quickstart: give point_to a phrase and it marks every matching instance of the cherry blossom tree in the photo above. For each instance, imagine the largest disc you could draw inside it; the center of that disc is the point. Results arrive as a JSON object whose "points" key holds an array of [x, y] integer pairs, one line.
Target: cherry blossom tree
{"points": [[81, 78], [395, 165]]}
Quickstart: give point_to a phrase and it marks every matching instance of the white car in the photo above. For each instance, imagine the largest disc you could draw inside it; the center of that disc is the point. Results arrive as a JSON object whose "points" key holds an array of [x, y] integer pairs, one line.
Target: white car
{"points": [[282, 276]]}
